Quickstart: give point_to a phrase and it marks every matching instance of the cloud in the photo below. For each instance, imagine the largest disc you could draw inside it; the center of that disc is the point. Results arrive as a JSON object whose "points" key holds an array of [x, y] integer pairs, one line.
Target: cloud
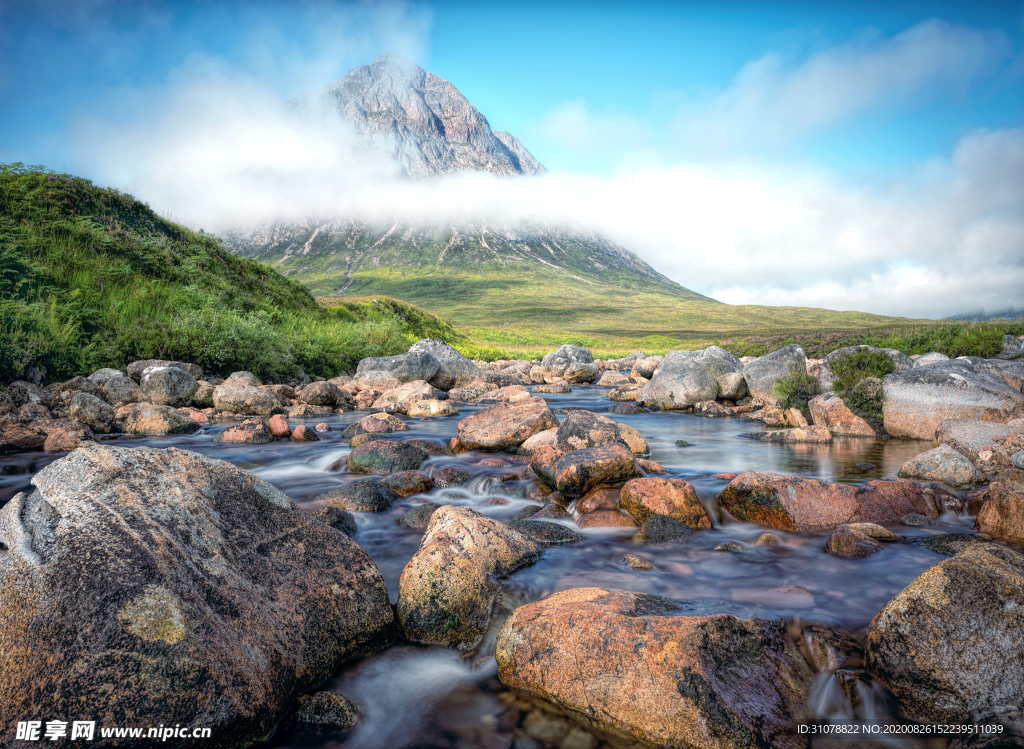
{"points": [[776, 101]]}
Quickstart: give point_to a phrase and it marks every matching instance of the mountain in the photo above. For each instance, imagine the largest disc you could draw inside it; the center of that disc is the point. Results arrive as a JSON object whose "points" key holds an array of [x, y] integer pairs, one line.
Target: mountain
{"points": [[420, 120], [429, 128], [1011, 313]]}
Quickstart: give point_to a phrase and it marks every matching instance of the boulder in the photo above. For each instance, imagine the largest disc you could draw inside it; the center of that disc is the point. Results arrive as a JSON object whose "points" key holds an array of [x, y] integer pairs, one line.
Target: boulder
{"points": [[20, 438], [682, 379], [448, 588], [408, 483], [555, 387], [247, 400], [321, 394], [504, 426], [364, 495], [814, 435], [805, 505], [828, 410], [150, 420], [91, 411], [548, 437], [674, 498], [763, 374], [455, 370], [733, 385], [196, 588], [969, 437], [21, 392], [581, 372], [431, 408], [384, 457], [120, 390], [545, 532], [950, 642], [636, 664], [661, 529], [580, 429], [243, 378], [611, 379], [942, 464], [850, 543], [416, 390], [324, 711], [645, 367], [420, 365], [579, 471], [278, 426], [138, 368], [249, 432], [203, 396], [101, 376], [1002, 514], [567, 356], [918, 400], [303, 433], [66, 439], [932, 357], [167, 386]]}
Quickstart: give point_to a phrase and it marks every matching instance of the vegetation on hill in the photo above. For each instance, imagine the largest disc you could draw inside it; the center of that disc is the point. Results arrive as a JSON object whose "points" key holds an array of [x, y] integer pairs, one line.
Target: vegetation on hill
{"points": [[91, 277]]}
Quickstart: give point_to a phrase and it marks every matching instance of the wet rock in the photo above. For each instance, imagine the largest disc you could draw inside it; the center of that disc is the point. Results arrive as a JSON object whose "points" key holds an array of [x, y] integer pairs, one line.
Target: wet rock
{"points": [[303, 433], [762, 375], [1002, 514], [167, 386], [505, 426], [813, 435], [850, 543], [175, 577], [91, 411], [914, 519], [711, 408], [949, 544], [321, 394], [336, 518], [580, 429], [766, 539], [385, 457], [830, 411], [579, 471], [120, 390], [604, 519], [143, 418], [249, 432], [325, 710], [408, 483], [581, 373], [67, 438], [683, 443], [306, 411], [601, 497], [247, 400], [660, 529], [447, 589], [431, 447], [631, 663], [974, 599], [555, 387], [644, 497], [829, 648], [811, 506], [729, 546], [636, 562], [548, 437], [278, 426], [432, 408], [137, 369], [418, 518], [875, 531], [554, 509], [543, 532], [943, 464], [449, 476], [623, 409], [627, 393], [970, 437], [918, 400], [18, 438], [364, 495]]}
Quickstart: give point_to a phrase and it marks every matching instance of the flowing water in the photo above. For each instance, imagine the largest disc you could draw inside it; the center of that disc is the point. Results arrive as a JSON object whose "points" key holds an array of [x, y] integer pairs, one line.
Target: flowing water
{"points": [[411, 696]]}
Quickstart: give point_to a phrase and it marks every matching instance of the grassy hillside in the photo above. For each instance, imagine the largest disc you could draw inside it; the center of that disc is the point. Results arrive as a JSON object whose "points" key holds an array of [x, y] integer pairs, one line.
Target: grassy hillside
{"points": [[91, 277]]}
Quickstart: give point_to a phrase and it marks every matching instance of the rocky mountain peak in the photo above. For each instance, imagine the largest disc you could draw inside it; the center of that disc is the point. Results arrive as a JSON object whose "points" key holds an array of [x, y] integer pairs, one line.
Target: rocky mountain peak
{"points": [[423, 121]]}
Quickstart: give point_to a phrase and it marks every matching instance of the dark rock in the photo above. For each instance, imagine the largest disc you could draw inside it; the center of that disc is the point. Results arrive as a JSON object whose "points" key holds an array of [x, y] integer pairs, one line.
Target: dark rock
{"points": [[364, 495], [418, 518], [449, 476], [851, 543], [660, 529], [408, 483], [336, 518], [543, 532], [325, 710], [385, 457], [303, 433], [949, 544]]}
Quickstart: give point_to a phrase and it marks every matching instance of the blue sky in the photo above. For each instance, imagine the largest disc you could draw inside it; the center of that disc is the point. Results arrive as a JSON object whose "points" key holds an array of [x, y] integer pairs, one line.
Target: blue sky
{"points": [[851, 156]]}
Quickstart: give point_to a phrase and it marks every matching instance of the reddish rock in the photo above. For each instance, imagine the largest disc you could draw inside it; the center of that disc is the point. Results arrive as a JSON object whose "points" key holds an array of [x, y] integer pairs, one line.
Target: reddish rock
{"points": [[605, 519], [599, 498], [649, 466], [303, 433], [811, 506], [675, 498], [145, 418], [814, 435], [450, 476], [279, 427], [408, 483], [578, 472], [725, 476], [504, 426], [321, 394], [19, 438], [323, 426], [68, 438], [830, 411], [547, 437], [430, 447], [850, 543], [580, 429], [1002, 514], [198, 417], [249, 432], [543, 463], [632, 663]]}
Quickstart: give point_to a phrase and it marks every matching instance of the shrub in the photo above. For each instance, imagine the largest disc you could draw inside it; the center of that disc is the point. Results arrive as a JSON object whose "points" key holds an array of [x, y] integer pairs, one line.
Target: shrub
{"points": [[851, 368], [796, 391]]}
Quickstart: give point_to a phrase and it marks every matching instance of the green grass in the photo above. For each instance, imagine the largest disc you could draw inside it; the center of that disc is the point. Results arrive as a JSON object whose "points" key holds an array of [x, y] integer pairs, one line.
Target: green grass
{"points": [[91, 277]]}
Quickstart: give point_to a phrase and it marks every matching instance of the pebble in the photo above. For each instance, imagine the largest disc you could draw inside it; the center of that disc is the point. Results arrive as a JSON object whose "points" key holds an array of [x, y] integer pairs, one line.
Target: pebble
{"points": [[729, 546], [914, 519]]}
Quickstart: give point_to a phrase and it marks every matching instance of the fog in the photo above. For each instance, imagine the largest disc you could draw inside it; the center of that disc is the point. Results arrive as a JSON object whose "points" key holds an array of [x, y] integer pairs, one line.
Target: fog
{"points": [[218, 148]]}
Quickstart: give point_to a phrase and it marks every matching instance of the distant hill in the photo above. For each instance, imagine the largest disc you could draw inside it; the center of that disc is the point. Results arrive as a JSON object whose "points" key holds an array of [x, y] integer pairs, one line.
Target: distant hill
{"points": [[91, 277], [1011, 313]]}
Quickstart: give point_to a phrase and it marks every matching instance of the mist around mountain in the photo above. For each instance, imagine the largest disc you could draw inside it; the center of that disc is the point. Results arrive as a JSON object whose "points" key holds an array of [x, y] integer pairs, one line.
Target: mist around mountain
{"points": [[1010, 313]]}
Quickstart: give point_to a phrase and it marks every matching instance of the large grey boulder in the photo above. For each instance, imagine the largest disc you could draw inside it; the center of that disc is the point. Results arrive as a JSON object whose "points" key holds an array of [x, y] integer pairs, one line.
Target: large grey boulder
{"points": [[167, 386], [21, 392], [950, 642], [100, 376], [138, 368], [932, 357], [918, 400], [455, 369], [419, 365], [686, 377], [566, 356], [199, 590], [1012, 345], [764, 373], [244, 399], [943, 464], [91, 411], [119, 389]]}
